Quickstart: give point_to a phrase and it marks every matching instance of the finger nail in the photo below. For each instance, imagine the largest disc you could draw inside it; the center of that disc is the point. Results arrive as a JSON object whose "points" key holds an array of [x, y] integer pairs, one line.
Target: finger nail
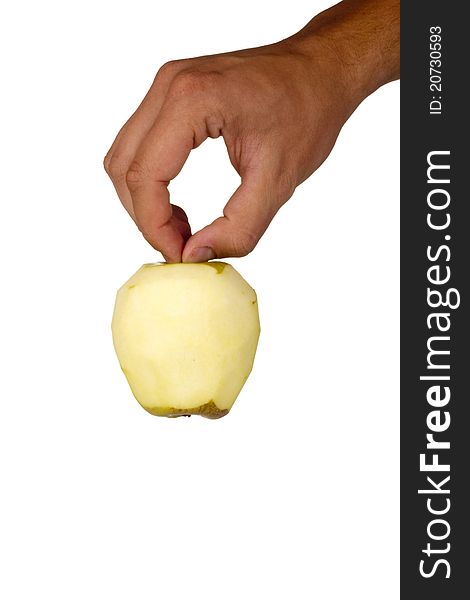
{"points": [[202, 254]]}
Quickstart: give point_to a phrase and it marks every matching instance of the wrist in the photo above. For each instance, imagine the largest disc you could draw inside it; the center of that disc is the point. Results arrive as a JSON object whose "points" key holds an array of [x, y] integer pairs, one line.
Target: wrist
{"points": [[357, 41]]}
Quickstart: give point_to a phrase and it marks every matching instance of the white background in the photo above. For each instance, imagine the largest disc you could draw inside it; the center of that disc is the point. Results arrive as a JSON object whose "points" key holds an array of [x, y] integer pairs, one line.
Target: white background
{"points": [[295, 493]]}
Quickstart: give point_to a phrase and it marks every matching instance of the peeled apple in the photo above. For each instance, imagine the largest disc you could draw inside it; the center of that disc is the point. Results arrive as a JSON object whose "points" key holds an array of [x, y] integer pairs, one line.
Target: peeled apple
{"points": [[185, 335]]}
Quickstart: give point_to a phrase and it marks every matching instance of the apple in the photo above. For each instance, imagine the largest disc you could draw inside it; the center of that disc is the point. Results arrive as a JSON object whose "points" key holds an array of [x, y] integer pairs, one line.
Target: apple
{"points": [[186, 335]]}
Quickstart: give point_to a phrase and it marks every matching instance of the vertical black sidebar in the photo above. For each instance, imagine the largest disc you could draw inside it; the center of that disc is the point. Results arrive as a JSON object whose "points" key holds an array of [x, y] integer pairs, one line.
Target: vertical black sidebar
{"points": [[435, 301]]}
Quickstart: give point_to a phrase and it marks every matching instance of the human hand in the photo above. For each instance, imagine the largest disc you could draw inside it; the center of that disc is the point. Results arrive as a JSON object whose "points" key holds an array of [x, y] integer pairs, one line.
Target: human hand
{"points": [[279, 109]]}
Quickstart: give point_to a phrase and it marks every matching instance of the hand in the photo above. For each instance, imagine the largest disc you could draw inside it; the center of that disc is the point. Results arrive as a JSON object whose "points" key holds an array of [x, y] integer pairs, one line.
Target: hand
{"points": [[279, 109]]}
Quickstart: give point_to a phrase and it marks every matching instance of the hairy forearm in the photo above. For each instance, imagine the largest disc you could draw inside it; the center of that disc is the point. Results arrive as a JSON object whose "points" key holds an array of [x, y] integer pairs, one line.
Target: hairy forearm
{"points": [[363, 36]]}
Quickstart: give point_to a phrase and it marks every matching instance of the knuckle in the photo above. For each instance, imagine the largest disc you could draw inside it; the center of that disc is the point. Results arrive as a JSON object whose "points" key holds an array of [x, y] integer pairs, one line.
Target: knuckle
{"points": [[190, 82], [106, 163], [244, 242], [169, 70], [135, 175], [115, 166], [286, 185]]}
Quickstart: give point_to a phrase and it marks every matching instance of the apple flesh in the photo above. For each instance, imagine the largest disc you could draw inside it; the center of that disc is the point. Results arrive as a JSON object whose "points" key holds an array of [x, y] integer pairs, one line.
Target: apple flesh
{"points": [[185, 335]]}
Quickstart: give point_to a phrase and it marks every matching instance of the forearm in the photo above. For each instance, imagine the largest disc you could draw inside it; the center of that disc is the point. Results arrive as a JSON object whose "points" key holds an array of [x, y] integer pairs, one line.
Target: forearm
{"points": [[363, 36]]}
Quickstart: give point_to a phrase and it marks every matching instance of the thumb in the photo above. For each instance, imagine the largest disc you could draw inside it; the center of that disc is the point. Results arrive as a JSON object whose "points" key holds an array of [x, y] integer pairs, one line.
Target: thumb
{"points": [[246, 217]]}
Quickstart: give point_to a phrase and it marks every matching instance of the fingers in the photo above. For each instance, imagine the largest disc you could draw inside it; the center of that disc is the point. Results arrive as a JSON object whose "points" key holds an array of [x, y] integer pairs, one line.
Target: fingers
{"points": [[159, 158], [125, 146], [246, 217], [181, 221], [152, 148]]}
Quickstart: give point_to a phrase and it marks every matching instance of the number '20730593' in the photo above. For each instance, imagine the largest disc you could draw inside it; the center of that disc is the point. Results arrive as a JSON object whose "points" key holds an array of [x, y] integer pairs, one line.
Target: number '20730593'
{"points": [[435, 73]]}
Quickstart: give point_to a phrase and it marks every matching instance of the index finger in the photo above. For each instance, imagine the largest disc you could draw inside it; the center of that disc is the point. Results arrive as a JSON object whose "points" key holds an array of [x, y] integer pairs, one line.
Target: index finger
{"points": [[159, 159]]}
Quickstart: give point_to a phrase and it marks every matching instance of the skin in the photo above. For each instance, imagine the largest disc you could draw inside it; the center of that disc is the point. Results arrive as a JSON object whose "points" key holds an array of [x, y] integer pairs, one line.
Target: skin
{"points": [[279, 109]]}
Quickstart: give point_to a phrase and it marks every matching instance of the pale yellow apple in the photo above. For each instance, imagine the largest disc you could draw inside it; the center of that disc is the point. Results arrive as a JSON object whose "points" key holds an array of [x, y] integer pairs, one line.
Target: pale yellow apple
{"points": [[186, 336]]}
